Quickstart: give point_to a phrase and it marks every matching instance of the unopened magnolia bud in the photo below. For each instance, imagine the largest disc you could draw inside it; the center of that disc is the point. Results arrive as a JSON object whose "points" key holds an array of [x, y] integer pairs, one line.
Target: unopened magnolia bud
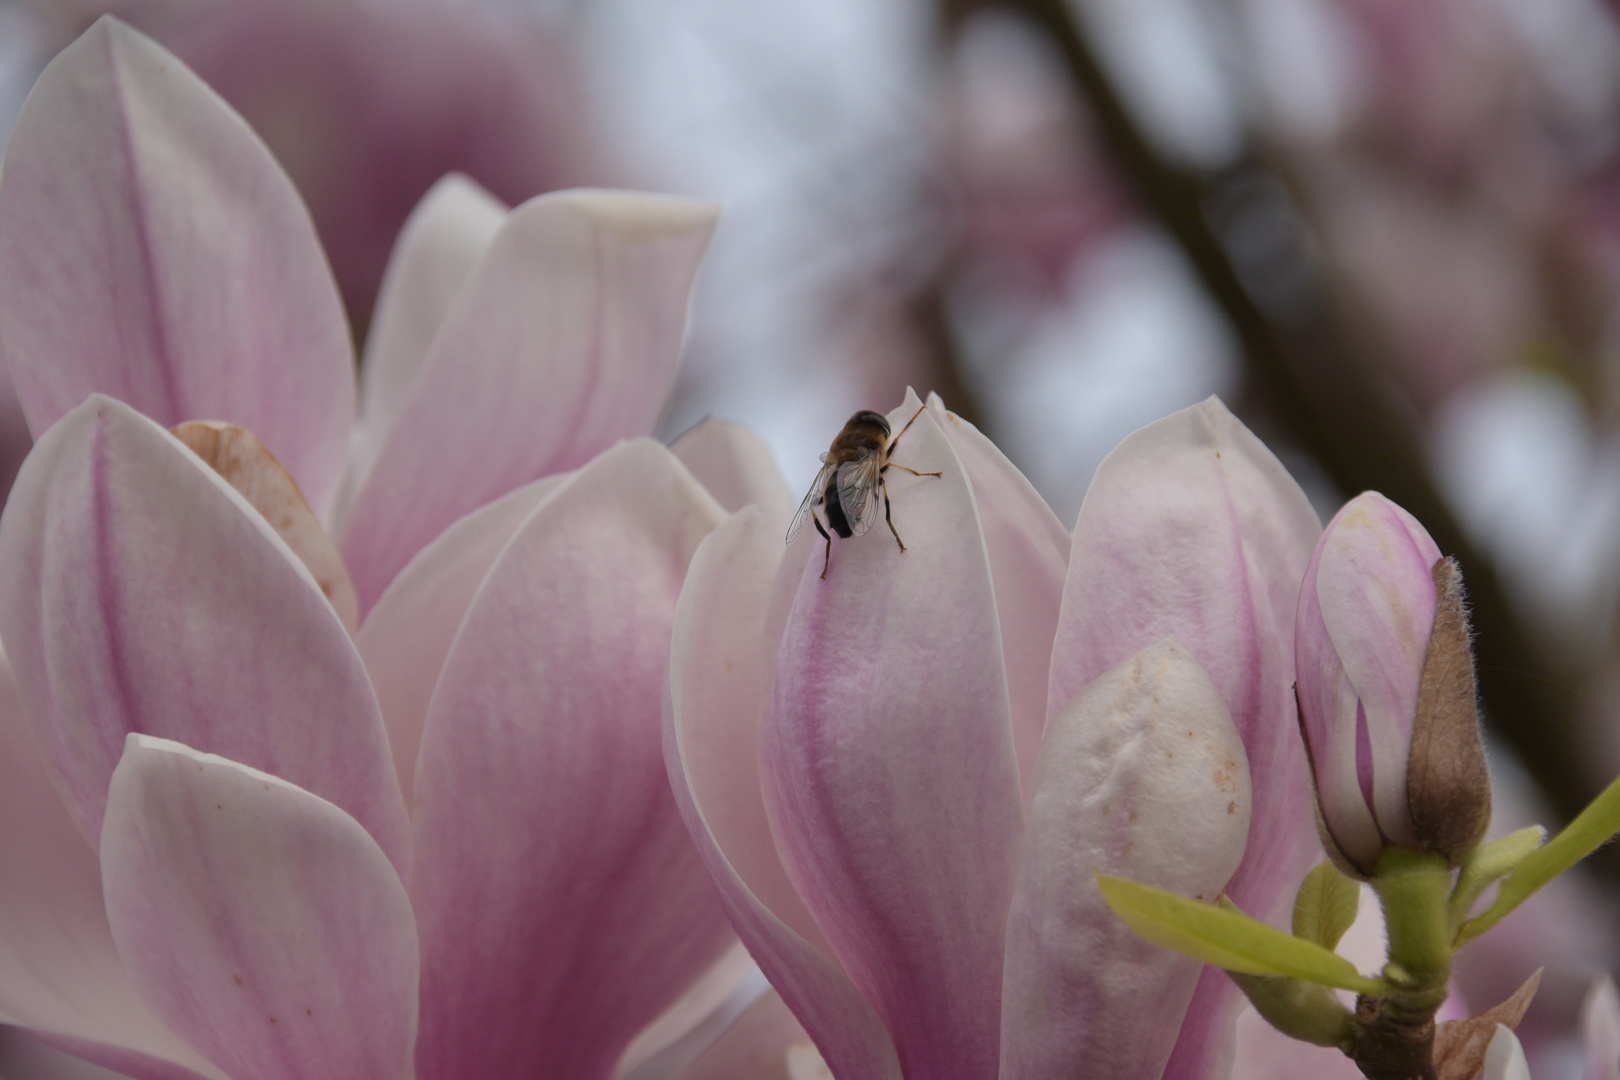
{"points": [[1386, 691]]}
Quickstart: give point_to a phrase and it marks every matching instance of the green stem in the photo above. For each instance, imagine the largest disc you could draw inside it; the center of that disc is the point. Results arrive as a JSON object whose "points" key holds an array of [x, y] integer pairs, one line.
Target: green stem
{"points": [[1414, 888]]}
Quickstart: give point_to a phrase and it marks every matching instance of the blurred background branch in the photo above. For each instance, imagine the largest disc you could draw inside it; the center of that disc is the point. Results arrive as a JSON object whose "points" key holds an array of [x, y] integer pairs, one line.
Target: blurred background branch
{"points": [[1242, 231]]}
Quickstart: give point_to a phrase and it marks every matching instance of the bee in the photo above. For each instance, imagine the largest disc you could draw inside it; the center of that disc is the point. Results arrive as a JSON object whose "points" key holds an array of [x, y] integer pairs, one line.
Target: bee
{"points": [[851, 476]]}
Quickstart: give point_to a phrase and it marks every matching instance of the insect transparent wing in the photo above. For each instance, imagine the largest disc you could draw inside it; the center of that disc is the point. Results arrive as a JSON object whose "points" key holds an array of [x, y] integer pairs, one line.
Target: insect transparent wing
{"points": [[812, 500], [858, 492]]}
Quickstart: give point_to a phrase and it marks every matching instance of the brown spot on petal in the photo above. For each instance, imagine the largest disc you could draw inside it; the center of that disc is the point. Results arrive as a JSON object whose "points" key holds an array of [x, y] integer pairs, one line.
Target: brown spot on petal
{"points": [[1231, 808], [1448, 786], [237, 979], [244, 463]]}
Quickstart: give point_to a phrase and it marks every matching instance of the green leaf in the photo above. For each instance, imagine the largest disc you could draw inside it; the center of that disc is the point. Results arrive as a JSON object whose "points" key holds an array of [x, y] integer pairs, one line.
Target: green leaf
{"points": [[1487, 864], [1227, 938], [1326, 906], [1597, 823], [1298, 1009]]}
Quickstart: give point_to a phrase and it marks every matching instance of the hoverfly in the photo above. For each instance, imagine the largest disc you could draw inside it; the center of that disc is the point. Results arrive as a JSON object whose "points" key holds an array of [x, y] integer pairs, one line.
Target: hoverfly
{"points": [[851, 476]]}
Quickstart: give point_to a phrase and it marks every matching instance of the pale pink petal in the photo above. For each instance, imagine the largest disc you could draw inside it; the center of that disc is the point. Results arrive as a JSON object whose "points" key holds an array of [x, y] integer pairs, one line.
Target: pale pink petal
{"points": [[1142, 776], [27, 1056], [562, 906], [258, 477], [407, 635], [563, 340], [1504, 1058], [707, 1007], [737, 467], [151, 249], [1377, 596], [261, 922], [755, 1048], [1264, 1053], [1192, 527], [889, 770], [1029, 557], [721, 656], [60, 974], [441, 243], [1600, 1031], [140, 592], [1327, 714]]}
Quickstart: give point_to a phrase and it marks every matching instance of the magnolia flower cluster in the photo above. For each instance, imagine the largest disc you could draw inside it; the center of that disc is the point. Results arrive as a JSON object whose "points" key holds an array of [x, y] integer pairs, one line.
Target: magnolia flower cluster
{"points": [[947, 745], [491, 785], [276, 807]]}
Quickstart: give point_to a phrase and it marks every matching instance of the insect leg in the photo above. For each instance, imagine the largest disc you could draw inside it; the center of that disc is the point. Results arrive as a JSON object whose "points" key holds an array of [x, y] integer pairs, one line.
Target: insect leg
{"points": [[913, 472], [888, 515], [894, 442], [827, 558]]}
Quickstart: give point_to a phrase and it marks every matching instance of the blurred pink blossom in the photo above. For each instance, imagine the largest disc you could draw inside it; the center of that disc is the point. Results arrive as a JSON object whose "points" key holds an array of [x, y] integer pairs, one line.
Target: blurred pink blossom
{"points": [[367, 103]]}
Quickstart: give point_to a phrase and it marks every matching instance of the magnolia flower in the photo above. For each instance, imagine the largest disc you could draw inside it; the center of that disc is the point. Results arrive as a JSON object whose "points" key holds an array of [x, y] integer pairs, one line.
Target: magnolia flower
{"points": [[905, 777], [366, 104], [248, 834], [1386, 691]]}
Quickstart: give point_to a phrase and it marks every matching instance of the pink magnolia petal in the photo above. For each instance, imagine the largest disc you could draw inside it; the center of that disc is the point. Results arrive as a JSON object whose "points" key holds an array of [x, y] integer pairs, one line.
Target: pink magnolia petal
{"points": [[151, 249], [41, 1056], [140, 592], [60, 974], [564, 340], [1376, 591], [1264, 1053], [1326, 698], [261, 922], [890, 772], [755, 1048], [1143, 776], [1192, 527], [562, 906], [407, 635], [720, 663], [244, 463], [1600, 1031], [737, 467], [1029, 558], [704, 1009], [440, 244]]}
